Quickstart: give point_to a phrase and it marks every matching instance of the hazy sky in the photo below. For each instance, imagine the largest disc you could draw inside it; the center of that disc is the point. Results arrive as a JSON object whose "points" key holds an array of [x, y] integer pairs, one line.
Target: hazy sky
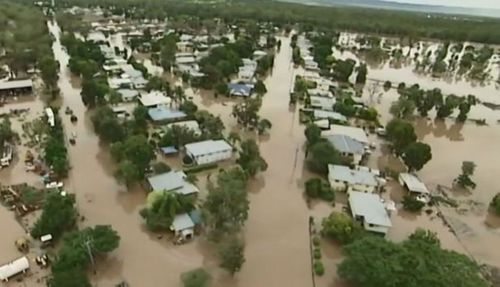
{"points": [[458, 3]]}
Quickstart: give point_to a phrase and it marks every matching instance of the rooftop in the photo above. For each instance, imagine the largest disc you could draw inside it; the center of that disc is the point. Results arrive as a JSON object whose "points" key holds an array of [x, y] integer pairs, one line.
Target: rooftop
{"points": [[182, 222], [352, 132], [16, 84], [346, 144], [239, 89], [345, 174], [172, 181], [164, 114], [320, 114], [191, 125], [325, 103], [413, 183], [207, 147], [370, 207], [155, 98]]}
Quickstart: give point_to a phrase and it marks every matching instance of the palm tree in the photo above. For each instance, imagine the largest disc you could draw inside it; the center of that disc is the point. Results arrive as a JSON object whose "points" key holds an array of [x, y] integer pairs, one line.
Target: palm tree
{"points": [[234, 137]]}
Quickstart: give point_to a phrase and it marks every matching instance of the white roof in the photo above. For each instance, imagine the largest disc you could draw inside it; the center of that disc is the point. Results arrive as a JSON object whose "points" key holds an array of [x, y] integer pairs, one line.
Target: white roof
{"points": [[115, 83], [46, 237], [325, 103], [16, 84], [128, 93], [207, 147], [174, 181], [345, 174], [370, 207], [10, 269], [154, 98], [190, 125], [182, 222], [320, 114], [413, 183], [352, 132]]}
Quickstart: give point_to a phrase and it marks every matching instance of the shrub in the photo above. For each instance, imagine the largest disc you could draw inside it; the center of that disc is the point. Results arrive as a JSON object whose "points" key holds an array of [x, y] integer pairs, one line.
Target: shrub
{"points": [[201, 167], [161, 167], [318, 188], [410, 203], [316, 241], [319, 269], [495, 204], [317, 253]]}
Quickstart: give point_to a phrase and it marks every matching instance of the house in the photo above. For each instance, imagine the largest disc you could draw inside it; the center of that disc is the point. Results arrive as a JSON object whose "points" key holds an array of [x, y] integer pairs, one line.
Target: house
{"points": [[16, 87], [342, 178], [154, 99], [117, 83], [173, 181], [183, 226], [107, 51], [352, 132], [413, 184], [370, 211], [190, 125], [209, 151], [245, 74], [323, 103], [162, 113], [13, 268], [241, 90], [320, 114], [348, 147], [128, 95], [320, 93]]}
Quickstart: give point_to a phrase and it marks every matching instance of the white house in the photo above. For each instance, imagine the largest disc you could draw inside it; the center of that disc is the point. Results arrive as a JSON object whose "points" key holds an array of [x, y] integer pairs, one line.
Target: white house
{"points": [[342, 178], [348, 147], [173, 181], [324, 103], [13, 268], [209, 151], [352, 132], [413, 184], [369, 210], [154, 99], [183, 226]]}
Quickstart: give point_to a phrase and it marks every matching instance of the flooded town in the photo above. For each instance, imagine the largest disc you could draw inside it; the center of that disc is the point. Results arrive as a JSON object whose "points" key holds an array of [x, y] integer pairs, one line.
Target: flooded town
{"points": [[195, 149]]}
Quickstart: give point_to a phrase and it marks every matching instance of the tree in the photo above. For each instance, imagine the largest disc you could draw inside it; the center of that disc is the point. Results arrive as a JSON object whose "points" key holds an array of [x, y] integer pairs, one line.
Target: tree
{"points": [[189, 108], [226, 206], [94, 91], [250, 159], [58, 215], [234, 137], [313, 134], [401, 134], [341, 227], [321, 154], [260, 88], [246, 113], [106, 125], [495, 204], [6, 132], [162, 207], [464, 180], [343, 69], [161, 167], [136, 149], [196, 278], [231, 254], [72, 277], [158, 84], [210, 125], [411, 263], [127, 173], [416, 155], [362, 72], [141, 116], [387, 85], [412, 204], [425, 236], [263, 126], [318, 188], [402, 108]]}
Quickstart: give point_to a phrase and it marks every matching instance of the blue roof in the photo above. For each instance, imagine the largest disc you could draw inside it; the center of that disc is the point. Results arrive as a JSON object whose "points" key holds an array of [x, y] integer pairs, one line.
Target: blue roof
{"points": [[239, 89], [169, 150], [165, 114]]}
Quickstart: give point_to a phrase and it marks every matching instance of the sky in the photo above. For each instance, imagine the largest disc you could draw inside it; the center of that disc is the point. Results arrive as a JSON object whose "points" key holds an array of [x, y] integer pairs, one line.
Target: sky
{"points": [[495, 4]]}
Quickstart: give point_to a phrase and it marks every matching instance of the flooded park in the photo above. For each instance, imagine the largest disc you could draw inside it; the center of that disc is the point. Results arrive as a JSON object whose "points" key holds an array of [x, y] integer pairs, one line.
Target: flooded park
{"points": [[277, 234]]}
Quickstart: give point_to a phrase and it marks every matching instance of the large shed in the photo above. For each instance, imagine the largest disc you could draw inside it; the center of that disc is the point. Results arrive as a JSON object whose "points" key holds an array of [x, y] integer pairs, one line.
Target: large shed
{"points": [[413, 184], [12, 268], [209, 151], [16, 87]]}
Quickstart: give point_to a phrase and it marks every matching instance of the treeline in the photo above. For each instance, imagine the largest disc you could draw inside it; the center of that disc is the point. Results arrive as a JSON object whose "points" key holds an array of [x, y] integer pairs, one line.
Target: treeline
{"points": [[394, 23]]}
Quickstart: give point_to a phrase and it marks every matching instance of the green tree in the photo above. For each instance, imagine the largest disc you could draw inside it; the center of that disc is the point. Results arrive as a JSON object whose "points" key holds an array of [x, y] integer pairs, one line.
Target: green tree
{"points": [[106, 125], [464, 180], [226, 206], [234, 138], [127, 173], [416, 155], [246, 113], [495, 204], [412, 204], [402, 108], [425, 236], [321, 154], [318, 188], [58, 215], [343, 69], [362, 72], [6, 132], [260, 88], [313, 134], [263, 126], [250, 159], [71, 277], [415, 262], [341, 227], [196, 278], [94, 91], [231, 254], [162, 207], [161, 167], [189, 108], [136, 149], [401, 134]]}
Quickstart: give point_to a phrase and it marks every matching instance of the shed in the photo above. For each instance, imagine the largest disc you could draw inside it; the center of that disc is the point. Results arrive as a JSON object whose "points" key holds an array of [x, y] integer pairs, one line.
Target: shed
{"points": [[413, 184], [169, 150], [16, 87], [15, 267], [128, 95], [209, 151], [369, 209], [183, 226], [160, 114]]}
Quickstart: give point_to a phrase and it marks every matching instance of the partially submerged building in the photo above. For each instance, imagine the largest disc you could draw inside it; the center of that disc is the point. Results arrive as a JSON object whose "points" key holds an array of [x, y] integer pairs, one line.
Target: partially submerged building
{"points": [[16, 87], [183, 226], [369, 210], [190, 125], [353, 132], [413, 184], [173, 181], [13, 268], [209, 151], [154, 99], [240, 90], [348, 147], [165, 114], [342, 178]]}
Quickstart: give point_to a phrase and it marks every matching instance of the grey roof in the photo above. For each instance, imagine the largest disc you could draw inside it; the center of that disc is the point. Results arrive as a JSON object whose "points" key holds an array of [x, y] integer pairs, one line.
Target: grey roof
{"points": [[346, 144], [165, 114], [413, 183], [182, 222], [319, 114], [207, 147], [325, 103], [345, 174], [128, 93], [369, 206], [172, 181], [16, 84], [352, 132]]}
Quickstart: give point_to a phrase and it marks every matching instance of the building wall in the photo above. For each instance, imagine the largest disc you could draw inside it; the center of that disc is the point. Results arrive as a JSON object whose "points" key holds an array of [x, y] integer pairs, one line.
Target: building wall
{"points": [[213, 157], [376, 228]]}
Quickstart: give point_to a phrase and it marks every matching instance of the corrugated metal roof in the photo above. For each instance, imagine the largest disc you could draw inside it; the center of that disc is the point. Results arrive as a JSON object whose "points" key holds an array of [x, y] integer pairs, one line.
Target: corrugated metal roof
{"points": [[173, 181], [345, 174], [353, 132], [207, 147], [370, 207], [16, 84], [165, 114], [346, 144], [182, 222], [413, 183]]}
